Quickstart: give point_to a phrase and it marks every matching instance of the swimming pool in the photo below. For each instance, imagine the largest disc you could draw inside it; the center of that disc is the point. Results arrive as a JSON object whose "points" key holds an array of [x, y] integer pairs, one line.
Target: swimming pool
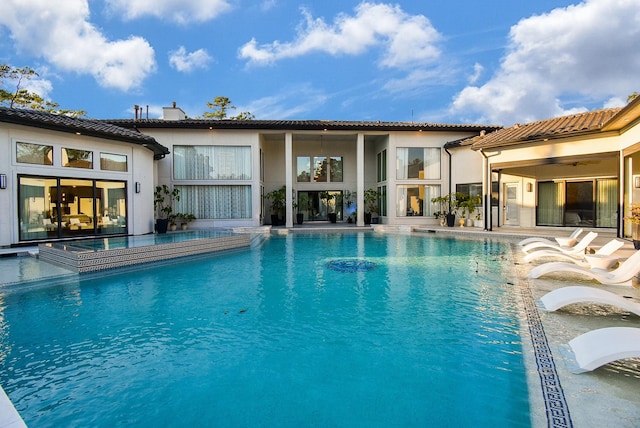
{"points": [[427, 334]]}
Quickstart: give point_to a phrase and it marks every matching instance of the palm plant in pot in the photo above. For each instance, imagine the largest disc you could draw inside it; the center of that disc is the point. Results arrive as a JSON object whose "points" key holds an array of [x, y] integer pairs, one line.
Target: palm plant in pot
{"points": [[371, 204], [448, 208], [163, 204], [301, 206], [278, 200]]}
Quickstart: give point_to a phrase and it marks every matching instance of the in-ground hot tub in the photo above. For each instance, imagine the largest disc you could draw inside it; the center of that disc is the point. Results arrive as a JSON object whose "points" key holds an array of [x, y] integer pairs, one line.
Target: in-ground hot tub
{"points": [[107, 253]]}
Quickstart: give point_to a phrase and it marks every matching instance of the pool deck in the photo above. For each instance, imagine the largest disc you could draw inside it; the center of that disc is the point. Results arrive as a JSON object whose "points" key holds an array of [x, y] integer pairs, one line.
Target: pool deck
{"points": [[608, 396]]}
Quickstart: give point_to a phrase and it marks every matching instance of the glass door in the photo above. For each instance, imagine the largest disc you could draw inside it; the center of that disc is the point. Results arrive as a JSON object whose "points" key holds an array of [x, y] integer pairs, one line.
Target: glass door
{"points": [[580, 206], [511, 206]]}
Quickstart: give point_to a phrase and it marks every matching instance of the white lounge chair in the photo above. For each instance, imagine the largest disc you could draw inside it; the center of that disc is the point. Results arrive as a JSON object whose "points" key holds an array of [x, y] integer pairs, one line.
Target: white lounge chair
{"points": [[572, 255], [564, 296], [580, 246], [621, 276], [605, 345], [566, 241]]}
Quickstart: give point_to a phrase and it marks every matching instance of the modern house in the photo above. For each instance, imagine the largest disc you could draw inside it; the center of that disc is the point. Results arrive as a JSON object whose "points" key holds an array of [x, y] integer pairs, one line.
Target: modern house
{"points": [[581, 169], [63, 177], [225, 168]]}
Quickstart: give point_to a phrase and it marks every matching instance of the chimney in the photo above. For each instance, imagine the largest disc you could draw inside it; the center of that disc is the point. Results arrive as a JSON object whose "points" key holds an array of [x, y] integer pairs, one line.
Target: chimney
{"points": [[173, 112], [136, 107]]}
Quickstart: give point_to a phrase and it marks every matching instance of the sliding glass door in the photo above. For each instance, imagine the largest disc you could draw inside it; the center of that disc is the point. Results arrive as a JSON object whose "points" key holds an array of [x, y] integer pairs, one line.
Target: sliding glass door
{"points": [[590, 203], [53, 208]]}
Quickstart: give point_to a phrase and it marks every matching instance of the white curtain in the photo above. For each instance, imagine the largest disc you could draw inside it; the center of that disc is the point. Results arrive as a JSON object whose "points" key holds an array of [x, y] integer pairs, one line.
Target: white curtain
{"points": [[212, 162], [431, 192], [550, 204], [402, 163], [401, 205], [215, 202], [432, 163], [606, 202]]}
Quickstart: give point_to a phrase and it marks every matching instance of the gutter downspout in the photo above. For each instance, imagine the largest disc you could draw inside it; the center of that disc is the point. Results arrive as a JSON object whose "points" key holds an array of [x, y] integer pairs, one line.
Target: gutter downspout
{"points": [[488, 220]]}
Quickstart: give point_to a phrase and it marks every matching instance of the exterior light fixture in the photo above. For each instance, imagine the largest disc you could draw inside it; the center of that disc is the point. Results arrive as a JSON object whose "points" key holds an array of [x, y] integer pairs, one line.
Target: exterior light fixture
{"points": [[529, 187], [137, 187], [3, 181]]}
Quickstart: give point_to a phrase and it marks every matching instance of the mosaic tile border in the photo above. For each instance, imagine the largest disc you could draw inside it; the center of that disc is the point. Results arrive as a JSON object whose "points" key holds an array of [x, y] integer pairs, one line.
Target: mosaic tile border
{"points": [[555, 402], [82, 261]]}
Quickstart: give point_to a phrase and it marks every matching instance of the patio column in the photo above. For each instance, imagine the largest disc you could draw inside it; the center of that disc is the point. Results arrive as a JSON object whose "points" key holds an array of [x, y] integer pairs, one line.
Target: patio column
{"points": [[288, 180], [360, 180]]}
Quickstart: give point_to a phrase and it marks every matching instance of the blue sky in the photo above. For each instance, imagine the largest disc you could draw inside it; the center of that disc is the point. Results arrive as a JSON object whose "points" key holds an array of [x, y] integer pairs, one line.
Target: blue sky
{"points": [[459, 61]]}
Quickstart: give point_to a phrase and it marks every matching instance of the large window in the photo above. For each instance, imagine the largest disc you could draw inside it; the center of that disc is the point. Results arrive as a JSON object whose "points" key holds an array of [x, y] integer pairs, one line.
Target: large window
{"points": [[415, 200], [418, 162], [382, 166], [215, 202], [76, 158], [319, 169], [111, 162], [51, 208], [212, 162], [38, 154]]}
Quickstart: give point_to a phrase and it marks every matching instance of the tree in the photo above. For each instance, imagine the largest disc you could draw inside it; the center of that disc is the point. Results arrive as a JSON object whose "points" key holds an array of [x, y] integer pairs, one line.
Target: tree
{"points": [[13, 94], [632, 97], [221, 106]]}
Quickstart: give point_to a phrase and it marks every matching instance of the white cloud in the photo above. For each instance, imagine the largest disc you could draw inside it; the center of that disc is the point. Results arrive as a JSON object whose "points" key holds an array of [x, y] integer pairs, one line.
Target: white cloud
{"points": [[407, 40], [62, 34], [268, 5], [179, 11], [478, 69], [289, 103], [586, 50], [185, 61]]}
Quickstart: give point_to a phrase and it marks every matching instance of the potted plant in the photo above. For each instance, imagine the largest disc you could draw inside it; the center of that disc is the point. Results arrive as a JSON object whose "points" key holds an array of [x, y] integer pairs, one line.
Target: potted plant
{"points": [[469, 205], [448, 207], [185, 219], [278, 200], [634, 219], [301, 206], [327, 197], [163, 204], [371, 204]]}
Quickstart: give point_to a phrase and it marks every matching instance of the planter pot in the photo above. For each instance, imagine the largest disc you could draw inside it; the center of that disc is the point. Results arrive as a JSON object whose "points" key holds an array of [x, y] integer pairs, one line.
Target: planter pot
{"points": [[478, 223], [451, 220], [184, 226], [299, 218], [636, 244], [443, 222], [462, 221], [161, 225], [333, 217], [469, 222], [173, 227], [367, 218], [274, 219]]}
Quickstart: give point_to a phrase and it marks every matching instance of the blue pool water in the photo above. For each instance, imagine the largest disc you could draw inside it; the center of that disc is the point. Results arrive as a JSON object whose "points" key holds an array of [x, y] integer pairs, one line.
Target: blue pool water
{"points": [[426, 335]]}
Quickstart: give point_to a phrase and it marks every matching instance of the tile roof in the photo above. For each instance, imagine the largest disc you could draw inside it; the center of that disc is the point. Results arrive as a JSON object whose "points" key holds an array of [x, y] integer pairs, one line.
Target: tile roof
{"points": [[543, 130], [299, 125], [90, 127]]}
